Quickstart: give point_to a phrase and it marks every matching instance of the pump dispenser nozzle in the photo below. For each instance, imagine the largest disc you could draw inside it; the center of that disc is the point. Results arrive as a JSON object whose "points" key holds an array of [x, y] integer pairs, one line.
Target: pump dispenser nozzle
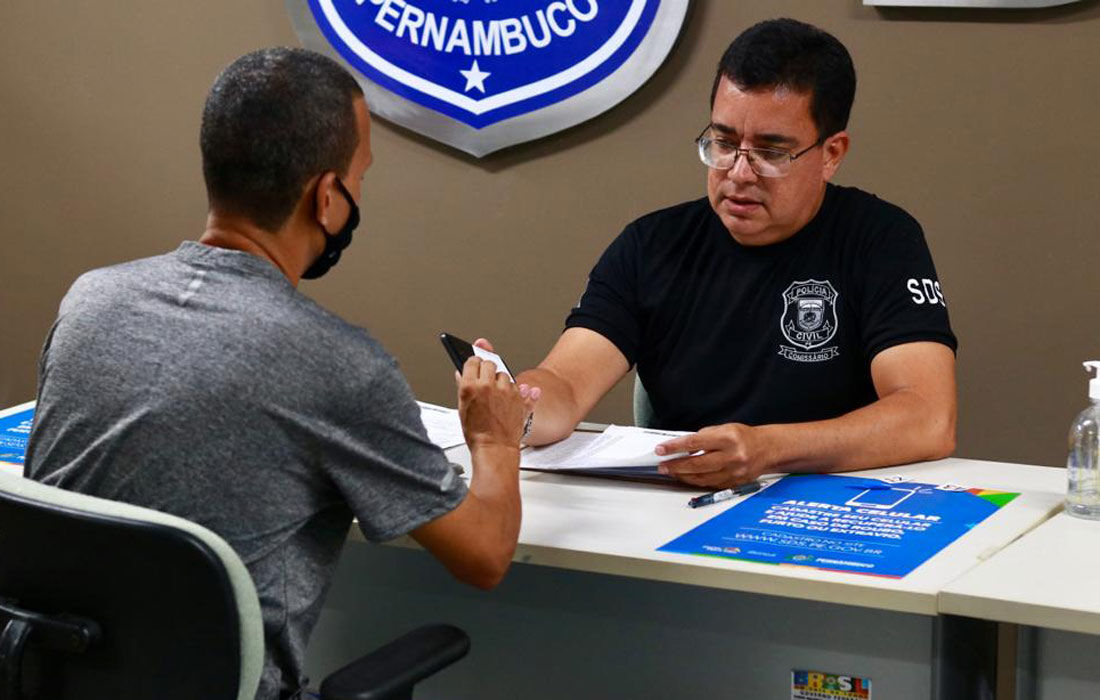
{"points": [[1094, 384]]}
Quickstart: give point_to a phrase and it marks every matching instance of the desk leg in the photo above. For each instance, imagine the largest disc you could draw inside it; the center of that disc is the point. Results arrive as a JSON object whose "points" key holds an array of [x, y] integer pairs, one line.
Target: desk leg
{"points": [[1025, 663], [964, 659], [982, 660]]}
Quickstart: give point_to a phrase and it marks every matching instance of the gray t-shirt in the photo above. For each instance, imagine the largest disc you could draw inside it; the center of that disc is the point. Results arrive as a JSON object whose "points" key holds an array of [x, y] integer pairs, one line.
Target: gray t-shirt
{"points": [[201, 383]]}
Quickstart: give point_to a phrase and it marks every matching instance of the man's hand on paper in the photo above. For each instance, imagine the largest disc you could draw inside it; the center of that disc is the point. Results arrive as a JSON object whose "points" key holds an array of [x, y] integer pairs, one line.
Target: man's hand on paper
{"points": [[732, 454], [491, 407]]}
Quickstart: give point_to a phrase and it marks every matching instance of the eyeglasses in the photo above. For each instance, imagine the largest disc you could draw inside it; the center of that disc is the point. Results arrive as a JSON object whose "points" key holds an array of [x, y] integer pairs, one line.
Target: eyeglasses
{"points": [[765, 162]]}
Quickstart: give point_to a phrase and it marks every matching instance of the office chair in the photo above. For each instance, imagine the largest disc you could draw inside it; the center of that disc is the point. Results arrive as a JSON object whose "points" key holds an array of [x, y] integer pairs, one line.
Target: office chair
{"points": [[100, 599], [643, 409]]}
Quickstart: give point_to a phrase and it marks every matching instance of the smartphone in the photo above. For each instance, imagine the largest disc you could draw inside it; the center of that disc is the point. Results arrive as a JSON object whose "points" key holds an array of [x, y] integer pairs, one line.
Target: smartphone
{"points": [[460, 351]]}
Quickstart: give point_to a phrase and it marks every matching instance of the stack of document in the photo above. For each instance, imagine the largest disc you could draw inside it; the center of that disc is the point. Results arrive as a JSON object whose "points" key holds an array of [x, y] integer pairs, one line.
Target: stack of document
{"points": [[620, 450], [442, 423], [617, 451]]}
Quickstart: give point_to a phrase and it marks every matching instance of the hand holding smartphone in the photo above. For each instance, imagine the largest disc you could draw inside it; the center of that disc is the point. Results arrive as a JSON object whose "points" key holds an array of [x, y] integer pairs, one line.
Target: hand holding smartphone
{"points": [[459, 350]]}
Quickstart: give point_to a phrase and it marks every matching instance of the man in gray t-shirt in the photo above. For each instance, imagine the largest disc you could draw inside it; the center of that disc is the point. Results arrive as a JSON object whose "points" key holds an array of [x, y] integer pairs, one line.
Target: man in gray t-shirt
{"points": [[203, 384]]}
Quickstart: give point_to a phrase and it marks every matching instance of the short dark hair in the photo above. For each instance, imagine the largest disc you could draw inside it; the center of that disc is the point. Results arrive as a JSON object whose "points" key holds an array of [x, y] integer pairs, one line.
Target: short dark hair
{"points": [[795, 55], [274, 119]]}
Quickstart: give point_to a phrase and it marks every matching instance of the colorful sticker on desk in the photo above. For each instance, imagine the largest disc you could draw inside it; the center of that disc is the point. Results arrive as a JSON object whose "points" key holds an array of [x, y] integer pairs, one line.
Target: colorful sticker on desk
{"points": [[15, 431], [843, 523], [818, 685]]}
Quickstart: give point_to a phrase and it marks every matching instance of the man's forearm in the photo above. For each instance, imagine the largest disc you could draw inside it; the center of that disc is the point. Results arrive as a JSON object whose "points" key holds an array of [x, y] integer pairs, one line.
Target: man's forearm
{"points": [[557, 413], [913, 420], [900, 428], [477, 539], [495, 483]]}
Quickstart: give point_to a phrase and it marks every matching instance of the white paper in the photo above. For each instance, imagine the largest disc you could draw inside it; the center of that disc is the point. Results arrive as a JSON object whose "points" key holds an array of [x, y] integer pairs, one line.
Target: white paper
{"points": [[495, 359], [444, 427], [618, 446], [564, 452]]}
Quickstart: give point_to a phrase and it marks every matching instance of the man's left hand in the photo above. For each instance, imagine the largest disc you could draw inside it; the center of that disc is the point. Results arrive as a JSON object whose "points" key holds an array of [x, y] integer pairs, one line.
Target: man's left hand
{"points": [[732, 454]]}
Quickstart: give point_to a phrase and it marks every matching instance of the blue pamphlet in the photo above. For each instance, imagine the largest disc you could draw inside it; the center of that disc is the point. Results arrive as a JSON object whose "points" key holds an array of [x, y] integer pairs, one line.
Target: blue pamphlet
{"points": [[881, 527], [15, 431]]}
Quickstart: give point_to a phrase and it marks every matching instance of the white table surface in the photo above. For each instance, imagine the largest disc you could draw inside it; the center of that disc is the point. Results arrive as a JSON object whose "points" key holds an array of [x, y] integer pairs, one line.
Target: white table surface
{"points": [[1017, 566], [615, 527], [1047, 578]]}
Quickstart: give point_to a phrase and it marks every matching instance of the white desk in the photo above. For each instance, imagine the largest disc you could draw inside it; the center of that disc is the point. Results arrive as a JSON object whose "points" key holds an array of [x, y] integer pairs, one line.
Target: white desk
{"points": [[1048, 581], [615, 527], [1049, 578], [606, 612], [602, 613]]}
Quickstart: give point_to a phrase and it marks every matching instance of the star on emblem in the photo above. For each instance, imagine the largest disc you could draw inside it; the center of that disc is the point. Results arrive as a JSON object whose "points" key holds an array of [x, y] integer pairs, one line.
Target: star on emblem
{"points": [[475, 77]]}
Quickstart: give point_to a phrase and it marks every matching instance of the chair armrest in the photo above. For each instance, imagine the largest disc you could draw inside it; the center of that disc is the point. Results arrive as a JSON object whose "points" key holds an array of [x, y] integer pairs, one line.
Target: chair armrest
{"points": [[392, 670]]}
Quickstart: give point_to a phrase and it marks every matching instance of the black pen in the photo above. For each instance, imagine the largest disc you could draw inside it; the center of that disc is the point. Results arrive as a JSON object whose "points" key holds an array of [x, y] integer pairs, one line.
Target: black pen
{"points": [[708, 498]]}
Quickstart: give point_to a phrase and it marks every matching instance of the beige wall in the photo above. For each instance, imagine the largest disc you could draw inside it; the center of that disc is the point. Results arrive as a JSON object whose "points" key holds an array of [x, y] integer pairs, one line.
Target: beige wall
{"points": [[983, 124]]}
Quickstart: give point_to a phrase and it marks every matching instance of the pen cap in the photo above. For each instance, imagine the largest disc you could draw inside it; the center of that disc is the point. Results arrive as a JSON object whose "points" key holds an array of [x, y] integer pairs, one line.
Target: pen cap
{"points": [[1094, 383]]}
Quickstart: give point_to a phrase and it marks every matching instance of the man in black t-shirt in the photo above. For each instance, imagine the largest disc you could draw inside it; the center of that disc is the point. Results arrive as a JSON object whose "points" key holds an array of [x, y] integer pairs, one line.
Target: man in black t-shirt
{"points": [[794, 324]]}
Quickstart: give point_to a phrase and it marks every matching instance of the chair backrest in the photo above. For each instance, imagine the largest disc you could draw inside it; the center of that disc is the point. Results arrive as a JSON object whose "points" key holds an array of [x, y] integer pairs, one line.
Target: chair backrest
{"points": [[176, 609], [643, 409]]}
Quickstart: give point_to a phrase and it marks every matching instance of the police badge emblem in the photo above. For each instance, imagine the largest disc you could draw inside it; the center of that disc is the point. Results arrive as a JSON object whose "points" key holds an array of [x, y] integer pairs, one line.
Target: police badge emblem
{"points": [[481, 75], [809, 321], [811, 314]]}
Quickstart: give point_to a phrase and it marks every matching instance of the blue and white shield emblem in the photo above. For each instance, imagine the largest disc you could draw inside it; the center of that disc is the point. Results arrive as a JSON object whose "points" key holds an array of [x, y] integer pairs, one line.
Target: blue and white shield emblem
{"points": [[481, 75]]}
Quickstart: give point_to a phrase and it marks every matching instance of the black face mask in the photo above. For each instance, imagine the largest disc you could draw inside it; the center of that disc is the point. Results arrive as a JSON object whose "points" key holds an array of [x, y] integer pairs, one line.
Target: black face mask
{"points": [[335, 242]]}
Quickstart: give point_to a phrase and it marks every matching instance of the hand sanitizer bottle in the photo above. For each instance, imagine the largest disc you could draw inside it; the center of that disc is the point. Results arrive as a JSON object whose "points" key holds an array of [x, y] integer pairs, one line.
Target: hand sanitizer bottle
{"points": [[1083, 463]]}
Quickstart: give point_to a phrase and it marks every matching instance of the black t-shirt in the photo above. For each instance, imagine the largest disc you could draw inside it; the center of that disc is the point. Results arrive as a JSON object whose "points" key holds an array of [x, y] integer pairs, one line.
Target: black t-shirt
{"points": [[722, 332]]}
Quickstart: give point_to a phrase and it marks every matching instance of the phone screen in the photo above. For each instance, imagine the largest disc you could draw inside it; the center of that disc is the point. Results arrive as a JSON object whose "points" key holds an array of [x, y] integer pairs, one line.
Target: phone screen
{"points": [[460, 351]]}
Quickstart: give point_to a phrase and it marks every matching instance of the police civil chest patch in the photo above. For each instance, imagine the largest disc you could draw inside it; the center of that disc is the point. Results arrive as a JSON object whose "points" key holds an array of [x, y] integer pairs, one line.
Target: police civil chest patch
{"points": [[481, 75], [809, 321]]}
